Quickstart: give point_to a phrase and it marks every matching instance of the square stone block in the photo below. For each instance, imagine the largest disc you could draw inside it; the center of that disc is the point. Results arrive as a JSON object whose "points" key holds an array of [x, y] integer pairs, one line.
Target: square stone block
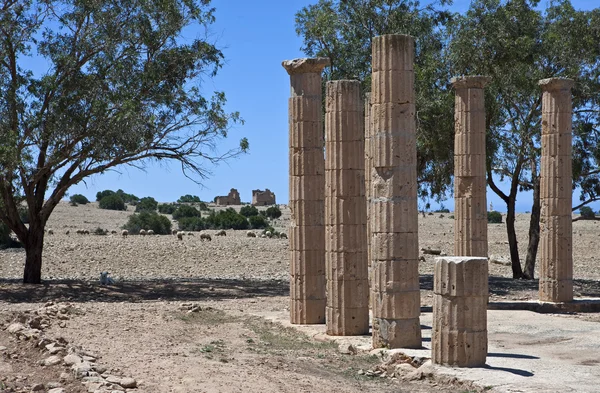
{"points": [[395, 276], [392, 52], [392, 246], [306, 85], [307, 238], [396, 333], [461, 276]]}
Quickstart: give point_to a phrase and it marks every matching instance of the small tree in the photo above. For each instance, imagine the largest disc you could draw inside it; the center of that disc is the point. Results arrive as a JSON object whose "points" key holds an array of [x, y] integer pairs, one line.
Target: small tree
{"points": [[185, 211], [189, 199], [79, 199], [258, 222], [191, 224], [146, 204], [167, 208], [494, 217], [102, 194], [587, 213], [273, 212], [249, 211], [112, 202], [160, 224]]}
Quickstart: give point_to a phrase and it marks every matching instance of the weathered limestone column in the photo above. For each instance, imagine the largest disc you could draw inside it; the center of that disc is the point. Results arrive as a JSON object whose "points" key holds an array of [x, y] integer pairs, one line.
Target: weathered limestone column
{"points": [[345, 211], [460, 296], [470, 205], [556, 238], [368, 168], [307, 192], [395, 266]]}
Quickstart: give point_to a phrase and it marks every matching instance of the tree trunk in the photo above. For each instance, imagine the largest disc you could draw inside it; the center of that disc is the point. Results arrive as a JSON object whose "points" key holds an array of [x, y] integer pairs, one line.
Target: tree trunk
{"points": [[512, 239], [534, 234], [34, 246]]}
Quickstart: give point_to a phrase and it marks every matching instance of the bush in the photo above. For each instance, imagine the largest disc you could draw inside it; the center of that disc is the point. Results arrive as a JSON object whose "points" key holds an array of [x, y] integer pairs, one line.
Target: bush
{"points": [[249, 211], [203, 206], [258, 222], [494, 217], [112, 202], [79, 199], [102, 194], [192, 224], [5, 240], [127, 198], [227, 219], [189, 199], [167, 208], [185, 211], [160, 224], [587, 213], [100, 231], [146, 204], [273, 212]]}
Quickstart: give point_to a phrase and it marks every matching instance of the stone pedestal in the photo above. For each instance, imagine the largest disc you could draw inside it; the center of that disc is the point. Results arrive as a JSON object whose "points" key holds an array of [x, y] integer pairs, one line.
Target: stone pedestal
{"points": [[460, 296], [307, 192], [556, 259], [345, 211], [470, 206], [393, 207]]}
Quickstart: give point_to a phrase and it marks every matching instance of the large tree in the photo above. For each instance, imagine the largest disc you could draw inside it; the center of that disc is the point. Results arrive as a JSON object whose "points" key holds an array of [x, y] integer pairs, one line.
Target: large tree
{"points": [[343, 29], [517, 44], [88, 85]]}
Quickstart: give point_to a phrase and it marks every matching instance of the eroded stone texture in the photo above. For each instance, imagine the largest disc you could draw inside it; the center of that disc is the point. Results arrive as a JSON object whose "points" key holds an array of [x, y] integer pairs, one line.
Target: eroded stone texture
{"points": [[345, 211], [393, 207], [307, 192], [460, 296], [368, 169], [470, 206], [556, 259]]}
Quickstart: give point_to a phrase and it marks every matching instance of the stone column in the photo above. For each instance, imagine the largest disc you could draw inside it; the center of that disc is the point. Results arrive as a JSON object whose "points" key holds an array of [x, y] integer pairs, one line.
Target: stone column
{"points": [[394, 245], [556, 239], [368, 168], [307, 192], [345, 211], [460, 296], [470, 206]]}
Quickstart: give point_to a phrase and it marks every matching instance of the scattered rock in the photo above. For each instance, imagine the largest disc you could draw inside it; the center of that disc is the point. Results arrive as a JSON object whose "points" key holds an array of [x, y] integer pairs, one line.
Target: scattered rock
{"points": [[37, 387], [51, 361], [499, 260], [425, 371], [15, 327], [128, 383], [347, 349], [71, 359], [57, 390]]}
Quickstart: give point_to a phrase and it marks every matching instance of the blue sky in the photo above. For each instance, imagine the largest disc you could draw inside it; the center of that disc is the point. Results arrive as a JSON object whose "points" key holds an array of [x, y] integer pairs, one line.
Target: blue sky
{"points": [[255, 36]]}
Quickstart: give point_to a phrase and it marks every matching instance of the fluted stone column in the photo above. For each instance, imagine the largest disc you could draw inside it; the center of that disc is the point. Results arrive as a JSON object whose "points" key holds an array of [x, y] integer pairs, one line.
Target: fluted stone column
{"points": [[307, 192], [345, 211], [460, 296], [470, 206], [368, 169], [556, 239], [393, 210]]}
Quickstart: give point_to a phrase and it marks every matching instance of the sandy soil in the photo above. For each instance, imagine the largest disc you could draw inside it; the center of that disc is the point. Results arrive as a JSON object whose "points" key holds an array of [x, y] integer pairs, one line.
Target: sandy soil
{"points": [[142, 329]]}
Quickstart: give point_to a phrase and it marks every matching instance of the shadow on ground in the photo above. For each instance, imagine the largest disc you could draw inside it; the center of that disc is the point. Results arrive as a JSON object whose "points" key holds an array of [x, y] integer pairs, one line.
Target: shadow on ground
{"points": [[133, 291]]}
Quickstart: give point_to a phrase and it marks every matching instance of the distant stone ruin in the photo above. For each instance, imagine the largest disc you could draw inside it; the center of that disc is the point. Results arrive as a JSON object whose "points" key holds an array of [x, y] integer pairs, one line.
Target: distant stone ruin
{"points": [[233, 198], [263, 198]]}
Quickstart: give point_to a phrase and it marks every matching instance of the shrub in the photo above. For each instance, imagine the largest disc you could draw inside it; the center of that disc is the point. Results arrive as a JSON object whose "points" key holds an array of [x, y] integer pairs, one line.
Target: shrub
{"points": [[112, 202], [203, 206], [494, 217], [160, 224], [257, 222], [189, 199], [273, 212], [249, 211], [79, 199], [185, 211], [127, 198], [146, 204], [100, 231], [227, 219], [167, 208], [5, 240], [587, 213], [192, 224], [103, 194]]}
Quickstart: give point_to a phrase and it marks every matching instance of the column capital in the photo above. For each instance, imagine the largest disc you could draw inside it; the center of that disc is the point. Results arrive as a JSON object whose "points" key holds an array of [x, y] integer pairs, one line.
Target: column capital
{"points": [[306, 65], [470, 82], [554, 84]]}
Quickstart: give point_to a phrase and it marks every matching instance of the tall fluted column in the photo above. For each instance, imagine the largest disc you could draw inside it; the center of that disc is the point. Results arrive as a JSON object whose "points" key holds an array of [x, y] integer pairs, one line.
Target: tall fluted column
{"points": [[345, 211], [395, 266], [368, 169], [556, 238], [307, 192], [470, 207]]}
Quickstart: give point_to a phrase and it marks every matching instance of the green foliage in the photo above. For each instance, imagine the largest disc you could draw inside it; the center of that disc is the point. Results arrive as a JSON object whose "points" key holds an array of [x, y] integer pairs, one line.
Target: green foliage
{"points": [[273, 212], [203, 206], [167, 208], [100, 231], [257, 222], [192, 223], [249, 211], [102, 194], [79, 199], [185, 211], [189, 199], [127, 198], [112, 202], [587, 213], [148, 204], [494, 217], [23, 214], [160, 224], [227, 219], [5, 240]]}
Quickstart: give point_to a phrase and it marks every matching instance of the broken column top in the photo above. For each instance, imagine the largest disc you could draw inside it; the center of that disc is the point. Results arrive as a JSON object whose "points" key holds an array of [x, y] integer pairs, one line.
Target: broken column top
{"points": [[470, 82], [552, 84], [306, 65]]}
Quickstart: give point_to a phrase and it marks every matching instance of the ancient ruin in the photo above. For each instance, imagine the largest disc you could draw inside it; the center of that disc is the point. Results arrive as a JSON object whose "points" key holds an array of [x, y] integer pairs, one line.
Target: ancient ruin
{"points": [[470, 215], [233, 198], [307, 191], [556, 260], [460, 296], [368, 169], [345, 211], [393, 209], [263, 198]]}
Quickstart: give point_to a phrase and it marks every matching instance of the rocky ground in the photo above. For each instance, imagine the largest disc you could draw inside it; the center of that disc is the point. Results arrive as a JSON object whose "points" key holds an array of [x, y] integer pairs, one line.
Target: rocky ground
{"points": [[182, 316]]}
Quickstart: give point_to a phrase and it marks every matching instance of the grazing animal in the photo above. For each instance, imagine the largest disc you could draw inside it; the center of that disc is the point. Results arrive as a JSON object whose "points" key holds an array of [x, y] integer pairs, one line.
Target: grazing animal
{"points": [[205, 236], [105, 280], [50, 231], [175, 231], [190, 233], [221, 233], [250, 234], [150, 232], [180, 235], [283, 236], [113, 232], [143, 232], [67, 232], [124, 232], [268, 234], [86, 232]]}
